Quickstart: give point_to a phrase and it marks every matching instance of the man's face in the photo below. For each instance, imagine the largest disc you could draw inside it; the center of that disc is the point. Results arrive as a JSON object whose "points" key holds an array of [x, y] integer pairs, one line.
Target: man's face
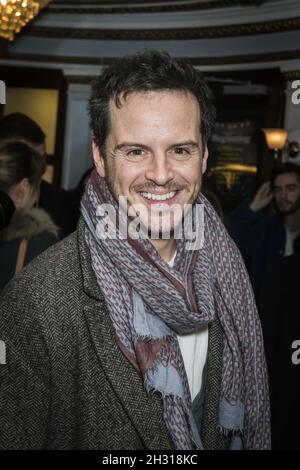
{"points": [[154, 154], [287, 193]]}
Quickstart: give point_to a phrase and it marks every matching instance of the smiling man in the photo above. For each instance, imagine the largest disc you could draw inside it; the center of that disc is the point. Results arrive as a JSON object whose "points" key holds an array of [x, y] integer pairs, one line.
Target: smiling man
{"points": [[153, 158], [132, 341]]}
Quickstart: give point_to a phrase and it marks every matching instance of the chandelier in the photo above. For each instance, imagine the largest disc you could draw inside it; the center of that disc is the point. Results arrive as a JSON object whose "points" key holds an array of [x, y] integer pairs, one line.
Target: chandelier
{"points": [[15, 14]]}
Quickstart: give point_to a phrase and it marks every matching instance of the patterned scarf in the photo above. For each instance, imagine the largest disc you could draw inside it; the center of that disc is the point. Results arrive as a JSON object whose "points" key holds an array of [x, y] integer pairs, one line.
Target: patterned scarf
{"points": [[150, 302]]}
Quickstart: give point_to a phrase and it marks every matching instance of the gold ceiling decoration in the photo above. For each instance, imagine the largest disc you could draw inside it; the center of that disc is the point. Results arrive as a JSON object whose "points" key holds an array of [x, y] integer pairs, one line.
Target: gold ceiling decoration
{"points": [[15, 14]]}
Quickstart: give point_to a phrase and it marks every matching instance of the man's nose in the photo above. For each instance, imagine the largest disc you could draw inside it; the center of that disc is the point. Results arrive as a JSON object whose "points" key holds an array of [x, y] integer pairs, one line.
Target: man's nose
{"points": [[160, 169]]}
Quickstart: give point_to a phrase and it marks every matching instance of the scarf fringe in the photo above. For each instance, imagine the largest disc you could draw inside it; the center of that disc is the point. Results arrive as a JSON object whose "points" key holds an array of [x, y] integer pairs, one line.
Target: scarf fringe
{"points": [[193, 431], [149, 339], [229, 432]]}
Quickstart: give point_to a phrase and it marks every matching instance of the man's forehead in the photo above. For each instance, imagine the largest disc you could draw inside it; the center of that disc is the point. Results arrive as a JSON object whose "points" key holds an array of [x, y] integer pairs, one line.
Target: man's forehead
{"points": [[145, 110], [286, 178]]}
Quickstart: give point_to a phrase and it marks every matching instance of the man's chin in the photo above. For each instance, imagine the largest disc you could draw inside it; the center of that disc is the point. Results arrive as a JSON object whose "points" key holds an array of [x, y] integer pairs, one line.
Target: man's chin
{"points": [[285, 211]]}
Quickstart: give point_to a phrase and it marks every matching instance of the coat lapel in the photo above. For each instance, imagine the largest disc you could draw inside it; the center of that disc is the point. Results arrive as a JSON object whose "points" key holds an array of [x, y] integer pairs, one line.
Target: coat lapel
{"points": [[144, 410]]}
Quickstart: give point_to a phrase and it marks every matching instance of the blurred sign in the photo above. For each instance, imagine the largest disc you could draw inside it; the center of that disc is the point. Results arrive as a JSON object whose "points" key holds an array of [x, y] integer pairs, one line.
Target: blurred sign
{"points": [[235, 142], [233, 161]]}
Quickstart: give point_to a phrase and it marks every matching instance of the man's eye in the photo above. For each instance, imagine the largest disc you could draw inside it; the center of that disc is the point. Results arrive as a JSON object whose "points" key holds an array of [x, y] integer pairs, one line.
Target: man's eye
{"points": [[135, 152], [180, 151]]}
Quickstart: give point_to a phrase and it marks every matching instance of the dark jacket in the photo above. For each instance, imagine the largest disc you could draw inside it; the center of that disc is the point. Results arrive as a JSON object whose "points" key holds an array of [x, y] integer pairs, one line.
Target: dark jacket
{"points": [[36, 226], [7, 208], [65, 383], [279, 308], [260, 238], [61, 205]]}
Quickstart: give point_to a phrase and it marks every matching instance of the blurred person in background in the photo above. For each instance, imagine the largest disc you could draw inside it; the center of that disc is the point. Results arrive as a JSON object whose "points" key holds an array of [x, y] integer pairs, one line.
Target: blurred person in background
{"points": [[61, 205], [30, 230], [263, 238]]}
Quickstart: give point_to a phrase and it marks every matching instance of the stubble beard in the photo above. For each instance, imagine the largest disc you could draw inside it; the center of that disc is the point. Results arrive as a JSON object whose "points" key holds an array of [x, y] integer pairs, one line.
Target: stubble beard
{"points": [[285, 212], [160, 232]]}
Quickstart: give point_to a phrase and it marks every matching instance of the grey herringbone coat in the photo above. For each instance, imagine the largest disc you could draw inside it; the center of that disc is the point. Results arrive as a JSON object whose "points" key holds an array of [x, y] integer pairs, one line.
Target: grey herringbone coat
{"points": [[64, 384]]}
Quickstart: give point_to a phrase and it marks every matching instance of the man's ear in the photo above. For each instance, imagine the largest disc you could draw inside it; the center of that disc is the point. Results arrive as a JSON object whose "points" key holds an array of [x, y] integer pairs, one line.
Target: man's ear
{"points": [[98, 160], [204, 161]]}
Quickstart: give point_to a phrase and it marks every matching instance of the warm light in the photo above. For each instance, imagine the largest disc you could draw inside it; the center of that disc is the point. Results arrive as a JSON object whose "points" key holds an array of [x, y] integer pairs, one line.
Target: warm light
{"points": [[229, 171], [235, 167], [15, 14], [276, 138]]}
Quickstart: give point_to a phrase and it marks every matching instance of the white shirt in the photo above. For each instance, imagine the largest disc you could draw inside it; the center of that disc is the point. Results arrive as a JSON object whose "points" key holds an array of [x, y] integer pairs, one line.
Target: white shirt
{"points": [[193, 347], [289, 241]]}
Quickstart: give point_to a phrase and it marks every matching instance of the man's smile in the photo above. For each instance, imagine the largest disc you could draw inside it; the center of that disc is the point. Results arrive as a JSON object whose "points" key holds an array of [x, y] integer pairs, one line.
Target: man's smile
{"points": [[159, 197]]}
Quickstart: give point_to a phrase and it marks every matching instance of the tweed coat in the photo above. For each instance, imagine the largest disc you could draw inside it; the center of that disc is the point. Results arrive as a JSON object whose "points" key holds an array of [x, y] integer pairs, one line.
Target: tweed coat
{"points": [[64, 383]]}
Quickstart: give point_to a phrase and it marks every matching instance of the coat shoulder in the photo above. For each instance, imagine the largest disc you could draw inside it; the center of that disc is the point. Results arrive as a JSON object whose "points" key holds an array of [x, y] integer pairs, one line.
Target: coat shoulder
{"points": [[58, 265], [51, 285]]}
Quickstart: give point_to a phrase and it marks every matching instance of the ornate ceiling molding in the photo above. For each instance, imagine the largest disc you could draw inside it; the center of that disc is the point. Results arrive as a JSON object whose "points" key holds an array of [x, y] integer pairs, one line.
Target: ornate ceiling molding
{"points": [[246, 29], [109, 2], [197, 61], [104, 8], [146, 2]]}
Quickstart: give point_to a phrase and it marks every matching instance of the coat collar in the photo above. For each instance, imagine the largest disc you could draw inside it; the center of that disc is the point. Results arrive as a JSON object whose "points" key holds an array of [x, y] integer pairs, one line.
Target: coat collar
{"points": [[144, 410], [27, 224]]}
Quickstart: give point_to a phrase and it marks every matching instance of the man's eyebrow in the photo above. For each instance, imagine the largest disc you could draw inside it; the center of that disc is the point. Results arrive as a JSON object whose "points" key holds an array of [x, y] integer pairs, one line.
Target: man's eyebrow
{"points": [[291, 185], [188, 143], [125, 145]]}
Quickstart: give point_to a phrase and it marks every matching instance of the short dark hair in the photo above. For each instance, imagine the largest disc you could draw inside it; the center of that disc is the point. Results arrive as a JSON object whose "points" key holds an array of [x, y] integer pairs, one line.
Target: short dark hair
{"points": [[283, 169], [143, 72], [18, 126]]}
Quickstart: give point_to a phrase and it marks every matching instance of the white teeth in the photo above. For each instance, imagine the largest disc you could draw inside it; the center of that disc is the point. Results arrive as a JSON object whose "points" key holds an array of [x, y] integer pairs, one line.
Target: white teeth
{"points": [[159, 197]]}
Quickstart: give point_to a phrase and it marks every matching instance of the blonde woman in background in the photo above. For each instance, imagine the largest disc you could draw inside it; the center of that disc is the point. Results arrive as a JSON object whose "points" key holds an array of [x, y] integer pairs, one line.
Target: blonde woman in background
{"points": [[31, 230]]}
